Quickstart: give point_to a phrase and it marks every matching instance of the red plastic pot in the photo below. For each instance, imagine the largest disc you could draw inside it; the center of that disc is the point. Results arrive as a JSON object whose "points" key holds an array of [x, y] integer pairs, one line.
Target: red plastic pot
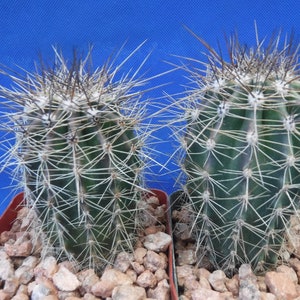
{"points": [[10, 213]]}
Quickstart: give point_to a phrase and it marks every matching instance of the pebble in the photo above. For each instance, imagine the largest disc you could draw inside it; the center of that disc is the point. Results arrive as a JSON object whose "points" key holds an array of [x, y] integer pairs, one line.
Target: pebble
{"points": [[109, 280], [182, 273], [88, 279], [160, 213], [161, 274], [138, 268], [71, 266], [20, 296], [19, 249], [4, 296], [289, 272], [129, 292], [153, 230], [65, 280], [6, 266], [161, 292], [147, 279], [182, 231], [131, 274], [41, 289], [123, 261], [295, 264], [154, 261], [261, 283], [63, 295], [267, 296], [47, 267], [244, 285], [139, 254], [248, 289], [232, 285], [153, 201], [204, 294], [89, 296], [23, 289], [11, 285], [281, 285], [204, 283], [217, 281], [158, 242], [147, 218], [24, 274], [5, 236], [16, 226], [30, 261], [191, 283], [24, 277], [201, 272], [185, 257]]}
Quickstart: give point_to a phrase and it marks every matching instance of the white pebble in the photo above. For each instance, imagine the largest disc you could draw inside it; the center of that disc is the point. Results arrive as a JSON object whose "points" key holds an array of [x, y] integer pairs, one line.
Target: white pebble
{"points": [[161, 291], [154, 261], [128, 292], [47, 267], [146, 279], [139, 254], [6, 266], [123, 261], [41, 289], [88, 279], [109, 280], [157, 242], [65, 280], [217, 281]]}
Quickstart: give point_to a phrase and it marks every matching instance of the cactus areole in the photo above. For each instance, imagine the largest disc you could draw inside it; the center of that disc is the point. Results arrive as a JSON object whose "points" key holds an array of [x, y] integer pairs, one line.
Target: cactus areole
{"points": [[243, 153], [80, 158]]}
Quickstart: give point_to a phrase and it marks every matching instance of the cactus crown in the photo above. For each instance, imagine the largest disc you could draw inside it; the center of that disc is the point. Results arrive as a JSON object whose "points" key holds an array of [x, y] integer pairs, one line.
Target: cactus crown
{"points": [[242, 144], [79, 149]]}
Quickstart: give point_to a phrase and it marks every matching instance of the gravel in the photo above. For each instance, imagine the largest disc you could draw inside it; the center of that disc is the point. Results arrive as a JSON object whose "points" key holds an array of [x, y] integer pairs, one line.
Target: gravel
{"points": [[203, 283], [139, 275]]}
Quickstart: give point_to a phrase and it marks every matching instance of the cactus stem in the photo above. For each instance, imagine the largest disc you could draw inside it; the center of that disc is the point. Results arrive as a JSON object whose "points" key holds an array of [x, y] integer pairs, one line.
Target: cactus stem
{"points": [[80, 152], [241, 150]]}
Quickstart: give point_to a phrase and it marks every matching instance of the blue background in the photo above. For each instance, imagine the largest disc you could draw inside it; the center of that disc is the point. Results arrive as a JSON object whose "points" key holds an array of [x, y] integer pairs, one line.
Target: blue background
{"points": [[28, 28]]}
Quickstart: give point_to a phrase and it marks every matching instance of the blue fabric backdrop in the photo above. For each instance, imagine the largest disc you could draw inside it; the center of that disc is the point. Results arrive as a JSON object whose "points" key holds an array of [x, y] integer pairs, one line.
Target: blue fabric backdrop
{"points": [[28, 28]]}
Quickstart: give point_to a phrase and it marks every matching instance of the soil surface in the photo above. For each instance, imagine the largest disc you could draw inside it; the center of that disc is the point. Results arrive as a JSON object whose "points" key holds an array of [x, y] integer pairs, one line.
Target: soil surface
{"points": [[142, 274], [203, 283]]}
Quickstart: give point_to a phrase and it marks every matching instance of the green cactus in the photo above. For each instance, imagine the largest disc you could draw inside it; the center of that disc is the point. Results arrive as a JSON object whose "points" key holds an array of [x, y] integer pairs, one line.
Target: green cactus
{"points": [[242, 144], [79, 148]]}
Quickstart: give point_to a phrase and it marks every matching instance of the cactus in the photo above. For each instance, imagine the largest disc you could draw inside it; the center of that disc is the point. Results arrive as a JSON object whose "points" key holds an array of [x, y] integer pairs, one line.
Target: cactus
{"points": [[79, 150], [242, 145]]}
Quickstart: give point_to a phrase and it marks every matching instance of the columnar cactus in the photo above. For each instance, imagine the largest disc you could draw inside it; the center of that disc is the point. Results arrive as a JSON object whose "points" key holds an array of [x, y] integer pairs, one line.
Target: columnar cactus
{"points": [[242, 143], [79, 150]]}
